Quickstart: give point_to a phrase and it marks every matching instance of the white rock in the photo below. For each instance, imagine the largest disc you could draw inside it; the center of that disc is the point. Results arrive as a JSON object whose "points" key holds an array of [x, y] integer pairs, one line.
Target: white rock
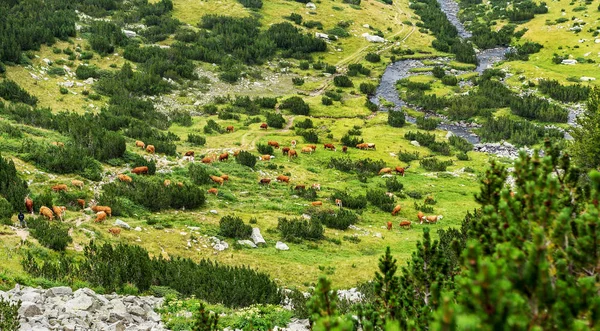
{"points": [[415, 143], [372, 38], [81, 302], [311, 5], [321, 35], [248, 243], [138, 229], [29, 309], [257, 237], [587, 79], [569, 61], [122, 224], [281, 246], [212, 211], [129, 33], [219, 247], [366, 26]]}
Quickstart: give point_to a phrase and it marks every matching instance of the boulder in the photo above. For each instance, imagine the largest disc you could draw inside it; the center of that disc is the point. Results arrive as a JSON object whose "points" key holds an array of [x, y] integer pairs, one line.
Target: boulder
{"points": [[311, 5], [569, 61], [281, 246], [257, 237], [587, 79], [373, 39], [29, 309], [248, 243], [138, 229], [129, 33], [212, 211], [415, 143], [122, 224], [31, 296], [81, 302], [449, 134], [321, 35]]}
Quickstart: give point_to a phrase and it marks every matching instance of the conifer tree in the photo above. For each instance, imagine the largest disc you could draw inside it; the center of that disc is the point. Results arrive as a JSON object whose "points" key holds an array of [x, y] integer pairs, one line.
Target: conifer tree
{"points": [[205, 320], [323, 309], [586, 134]]}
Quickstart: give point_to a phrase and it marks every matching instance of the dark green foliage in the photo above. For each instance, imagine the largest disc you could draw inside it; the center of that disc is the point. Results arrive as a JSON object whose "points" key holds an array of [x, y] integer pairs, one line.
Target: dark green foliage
{"points": [[12, 187], [85, 72], [246, 158], [428, 140], [342, 81], [336, 219], [6, 211], [585, 148], [196, 139], [365, 166], [518, 132], [379, 199], [275, 120], [349, 201], [53, 235], [423, 207], [330, 69], [373, 57], [322, 306], [564, 93], [393, 185], [105, 37], [205, 320], [522, 52], [9, 315], [297, 18], [254, 4], [356, 68], [310, 136], [304, 65], [433, 164], [295, 230], [338, 32], [234, 227], [266, 102], [408, 156], [367, 88], [396, 118], [313, 24], [450, 80], [11, 91], [427, 123], [333, 95], [532, 107], [438, 72], [460, 143], [326, 101], [199, 174], [212, 126], [265, 149], [306, 124], [352, 2], [298, 81], [351, 141], [296, 105]]}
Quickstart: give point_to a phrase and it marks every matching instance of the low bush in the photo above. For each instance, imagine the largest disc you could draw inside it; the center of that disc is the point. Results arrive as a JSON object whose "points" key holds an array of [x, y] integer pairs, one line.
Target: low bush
{"points": [[393, 185], [336, 219], [295, 230], [310, 136], [351, 141], [373, 57], [326, 101], [296, 105], [9, 314], [396, 118], [342, 81], [433, 164], [265, 149], [408, 156], [212, 126], [234, 227], [424, 207], [275, 120], [199, 174], [298, 81], [427, 123], [11, 91], [246, 158], [379, 199], [460, 143], [196, 139], [306, 124], [349, 201], [367, 88], [53, 235]]}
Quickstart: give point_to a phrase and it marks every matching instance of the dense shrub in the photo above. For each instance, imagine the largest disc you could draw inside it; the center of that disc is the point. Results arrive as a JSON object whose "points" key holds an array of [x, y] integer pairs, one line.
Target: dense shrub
{"points": [[373, 57], [9, 313], [6, 211], [296, 105], [326, 101], [12, 187], [393, 185], [367, 88], [365, 166], [199, 174], [265, 149], [349, 201], [212, 126], [196, 139], [518, 132], [297, 18], [450, 80], [336, 219], [535, 108], [11, 91], [295, 230], [438, 72], [246, 158], [433, 164], [379, 199], [396, 118], [275, 120], [342, 81], [427, 123], [53, 235], [407, 157], [564, 93], [351, 141], [310, 136], [298, 81], [306, 124], [460, 143], [234, 227], [254, 4]]}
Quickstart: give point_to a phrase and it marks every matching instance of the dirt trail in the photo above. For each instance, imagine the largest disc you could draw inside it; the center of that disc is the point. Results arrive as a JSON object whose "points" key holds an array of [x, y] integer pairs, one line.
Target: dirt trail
{"points": [[22, 233]]}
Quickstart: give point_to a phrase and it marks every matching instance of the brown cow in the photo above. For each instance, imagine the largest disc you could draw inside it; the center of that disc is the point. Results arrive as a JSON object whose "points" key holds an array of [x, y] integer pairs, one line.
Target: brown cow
{"points": [[77, 183], [362, 146], [389, 226], [420, 216], [265, 181], [264, 126], [400, 170], [396, 210], [385, 171], [115, 231], [150, 149], [230, 128], [292, 153], [282, 178], [273, 143], [405, 224], [100, 217], [344, 149], [189, 153], [329, 146], [313, 147], [140, 170], [432, 219], [307, 150], [316, 203], [285, 150], [59, 187], [225, 177], [265, 157], [213, 191], [167, 182], [81, 203], [29, 205], [140, 144], [300, 187], [207, 159], [224, 157], [59, 211], [236, 153], [180, 184], [47, 213], [338, 202], [124, 178], [217, 179], [371, 146], [105, 209]]}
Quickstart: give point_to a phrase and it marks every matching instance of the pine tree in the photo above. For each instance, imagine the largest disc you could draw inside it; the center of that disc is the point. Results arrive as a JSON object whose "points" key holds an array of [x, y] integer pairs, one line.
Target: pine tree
{"points": [[323, 309], [205, 320], [586, 134]]}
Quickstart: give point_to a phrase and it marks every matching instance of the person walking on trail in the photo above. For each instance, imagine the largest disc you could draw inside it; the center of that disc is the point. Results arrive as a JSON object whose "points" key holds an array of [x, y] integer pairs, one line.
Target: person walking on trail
{"points": [[22, 220]]}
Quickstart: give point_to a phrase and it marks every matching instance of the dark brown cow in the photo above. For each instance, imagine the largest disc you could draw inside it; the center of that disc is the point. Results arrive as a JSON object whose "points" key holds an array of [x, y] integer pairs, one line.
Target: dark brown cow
{"points": [[300, 187], [29, 205], [329, 147], [273, 143], [140, 170], [285, 150], [224, 157], [344, 149], [189, 153], [264, 126], [389, 226], [81, 203], [400, 170], [282, 178], [230, 128], [405, 224], [265, 181]]}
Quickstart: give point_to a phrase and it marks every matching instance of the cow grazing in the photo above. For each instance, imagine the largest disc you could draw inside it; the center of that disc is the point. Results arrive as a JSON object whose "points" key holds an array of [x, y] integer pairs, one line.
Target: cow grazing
{"points": [[338, 202], [59, 187], [236, 153], [273, 143], [285, 150], [362, 146], [432, 219], [316, 186], [330, 147], [300, 187], [313, 147], [344, 149], [47, 213], [292, 153], [140, 170], [77, 183], [217, 180], [265, 181], [264, 126], [167, 182], [230, 128], [371, 146], [265, 158], [115, 231], [150, 149], [389, 226], [207, 159], [124, 178], [282, 178], [405, 224], [59, 211], [316, 203], [140, 144], [100, 217], [213, 191], [420, 216], [385, 171], [81, 203], [180, 184], [58, 144], [29, 205], [189, 154], [307, 150], [396, 210], [224, 157], [105, 209], [400, 170], [293, 143], [225, 177]]}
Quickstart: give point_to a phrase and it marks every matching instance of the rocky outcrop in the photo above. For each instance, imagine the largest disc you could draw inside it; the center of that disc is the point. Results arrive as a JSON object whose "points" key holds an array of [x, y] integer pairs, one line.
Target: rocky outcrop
{"points": [[59, 308], [257, 237]]}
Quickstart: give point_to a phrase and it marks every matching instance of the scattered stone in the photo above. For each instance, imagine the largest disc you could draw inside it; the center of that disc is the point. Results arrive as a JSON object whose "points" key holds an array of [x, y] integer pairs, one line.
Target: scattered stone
{"points": [[373, 39], [321, 35], [29, 309], [415, 143], [138, 229], [248, 243], [257, 237], [587, 79], [311, 5], [569, 61], [212, 211], [129, 33], [281, 246], [122, 224]]}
